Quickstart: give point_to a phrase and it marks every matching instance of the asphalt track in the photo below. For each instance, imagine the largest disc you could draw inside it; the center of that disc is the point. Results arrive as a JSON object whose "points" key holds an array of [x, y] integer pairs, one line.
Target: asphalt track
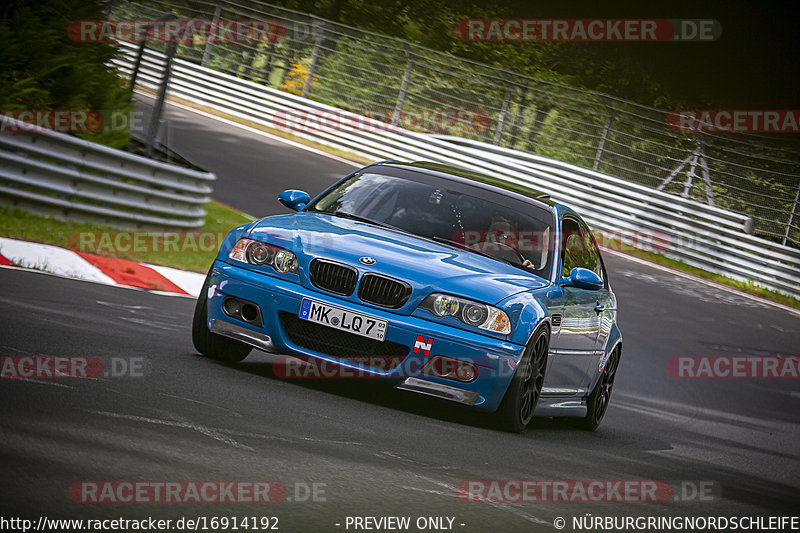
{"points": [[377, 451]]}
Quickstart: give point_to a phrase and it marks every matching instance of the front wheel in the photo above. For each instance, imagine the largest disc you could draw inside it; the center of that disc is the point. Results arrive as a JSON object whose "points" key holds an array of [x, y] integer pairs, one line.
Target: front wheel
{"points": [[519, 403], [601, 395], [211, 344]]}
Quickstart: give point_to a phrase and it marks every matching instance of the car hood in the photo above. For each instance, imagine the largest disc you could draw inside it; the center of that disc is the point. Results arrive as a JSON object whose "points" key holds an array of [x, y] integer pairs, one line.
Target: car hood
{"points": [[426, 265]]}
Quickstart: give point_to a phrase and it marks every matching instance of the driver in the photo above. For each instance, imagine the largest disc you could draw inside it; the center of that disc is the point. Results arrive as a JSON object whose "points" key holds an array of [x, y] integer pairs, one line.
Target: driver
{"points": [[504, 232]]}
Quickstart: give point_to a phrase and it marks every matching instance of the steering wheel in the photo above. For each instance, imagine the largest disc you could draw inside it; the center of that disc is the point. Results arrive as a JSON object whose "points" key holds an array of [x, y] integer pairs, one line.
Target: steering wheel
{"points": [[513, 250]]}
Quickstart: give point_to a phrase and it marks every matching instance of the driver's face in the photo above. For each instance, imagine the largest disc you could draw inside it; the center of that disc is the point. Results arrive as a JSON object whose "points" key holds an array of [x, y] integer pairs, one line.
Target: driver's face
{"points": [[502, 229], [500, 225]]}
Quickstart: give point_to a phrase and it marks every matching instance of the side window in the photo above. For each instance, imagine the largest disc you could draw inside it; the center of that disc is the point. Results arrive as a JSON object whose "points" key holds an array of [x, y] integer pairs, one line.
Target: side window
{"points": [[572, 247], [578, 249], [593, 256]]}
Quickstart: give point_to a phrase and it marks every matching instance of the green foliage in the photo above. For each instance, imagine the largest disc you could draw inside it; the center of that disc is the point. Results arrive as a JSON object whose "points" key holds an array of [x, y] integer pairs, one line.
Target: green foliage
{"points": [[42, 68], [295, 80]]}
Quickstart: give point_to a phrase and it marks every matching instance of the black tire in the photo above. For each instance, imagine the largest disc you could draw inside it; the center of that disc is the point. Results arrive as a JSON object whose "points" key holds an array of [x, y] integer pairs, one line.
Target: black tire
{"points": [[519, 403], [601, 395], [210, 344]]}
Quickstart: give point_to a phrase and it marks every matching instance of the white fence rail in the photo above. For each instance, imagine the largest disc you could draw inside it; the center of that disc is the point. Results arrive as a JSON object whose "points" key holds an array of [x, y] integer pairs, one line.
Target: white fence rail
{"points": [[54, 173], [701, 235]]}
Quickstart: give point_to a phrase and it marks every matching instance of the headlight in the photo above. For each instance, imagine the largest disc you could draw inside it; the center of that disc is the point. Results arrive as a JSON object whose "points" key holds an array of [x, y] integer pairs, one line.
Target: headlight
{"points": [[471, 313], [444, 305], [285, 261], [260, 253]]}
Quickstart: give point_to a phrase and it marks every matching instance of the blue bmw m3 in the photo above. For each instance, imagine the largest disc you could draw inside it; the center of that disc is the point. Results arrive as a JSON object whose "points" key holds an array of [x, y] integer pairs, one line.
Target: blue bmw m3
{"points": [[435, 279]]}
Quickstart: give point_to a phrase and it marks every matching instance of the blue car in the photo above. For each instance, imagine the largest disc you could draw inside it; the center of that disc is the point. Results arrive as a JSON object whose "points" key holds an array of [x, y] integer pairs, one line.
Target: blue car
{"points": [[437, 280]]}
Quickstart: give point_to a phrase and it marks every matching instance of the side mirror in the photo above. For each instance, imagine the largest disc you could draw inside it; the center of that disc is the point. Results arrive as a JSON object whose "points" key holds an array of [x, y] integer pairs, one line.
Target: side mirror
{"points": [[583, 278], [294, 199]]}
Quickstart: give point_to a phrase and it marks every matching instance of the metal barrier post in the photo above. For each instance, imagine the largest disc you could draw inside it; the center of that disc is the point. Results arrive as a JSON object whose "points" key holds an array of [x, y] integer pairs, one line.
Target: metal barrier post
{"points": [[158, 108], [401, 96], [598, 158], [701, 157], [320, 30], [791, 215], [498, 133], [210, 39]]}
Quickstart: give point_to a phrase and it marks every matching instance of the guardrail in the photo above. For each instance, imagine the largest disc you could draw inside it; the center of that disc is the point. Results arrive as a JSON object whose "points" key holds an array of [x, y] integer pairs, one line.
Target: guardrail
{"points": [[699, 234], [372, 73], [53, 173]]}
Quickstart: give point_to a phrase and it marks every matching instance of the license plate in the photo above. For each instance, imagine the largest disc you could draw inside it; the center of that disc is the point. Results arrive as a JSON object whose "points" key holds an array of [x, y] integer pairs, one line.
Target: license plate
{"points": [[337, 318]]}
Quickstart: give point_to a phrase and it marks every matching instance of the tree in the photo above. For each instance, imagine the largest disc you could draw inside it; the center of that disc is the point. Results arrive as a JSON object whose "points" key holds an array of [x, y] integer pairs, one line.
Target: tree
{"points": [[42, 68]]}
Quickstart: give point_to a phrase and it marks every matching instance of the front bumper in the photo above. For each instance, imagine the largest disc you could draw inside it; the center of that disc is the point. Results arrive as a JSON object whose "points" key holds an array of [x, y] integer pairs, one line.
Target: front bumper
{"points": [[495, 359]]}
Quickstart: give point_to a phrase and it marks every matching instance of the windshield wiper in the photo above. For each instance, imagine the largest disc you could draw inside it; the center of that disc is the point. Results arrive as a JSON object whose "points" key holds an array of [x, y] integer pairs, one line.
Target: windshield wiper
{"points": [[463, 246], [357, 218]]}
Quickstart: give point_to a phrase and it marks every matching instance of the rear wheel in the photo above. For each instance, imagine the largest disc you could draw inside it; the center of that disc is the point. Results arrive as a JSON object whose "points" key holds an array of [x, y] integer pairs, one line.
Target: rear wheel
{"points": [[519, 403], [211, 344], [601, 395]]}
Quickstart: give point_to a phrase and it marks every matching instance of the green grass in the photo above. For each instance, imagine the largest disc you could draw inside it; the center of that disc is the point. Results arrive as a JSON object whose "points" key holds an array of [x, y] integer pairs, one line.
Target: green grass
{"points": [[194, 250]]}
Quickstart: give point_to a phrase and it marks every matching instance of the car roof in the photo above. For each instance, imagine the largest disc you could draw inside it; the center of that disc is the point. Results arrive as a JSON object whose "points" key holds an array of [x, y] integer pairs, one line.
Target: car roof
{"points": [[498, 184]]}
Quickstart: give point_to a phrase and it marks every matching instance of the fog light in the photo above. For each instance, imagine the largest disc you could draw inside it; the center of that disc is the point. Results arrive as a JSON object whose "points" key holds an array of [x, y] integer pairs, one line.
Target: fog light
{"points": [[466, 372], [449, 368]]}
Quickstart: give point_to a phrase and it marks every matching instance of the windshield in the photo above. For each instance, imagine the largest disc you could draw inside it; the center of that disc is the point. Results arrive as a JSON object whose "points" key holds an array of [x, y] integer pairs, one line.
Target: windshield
{"points": [[450, 212]]}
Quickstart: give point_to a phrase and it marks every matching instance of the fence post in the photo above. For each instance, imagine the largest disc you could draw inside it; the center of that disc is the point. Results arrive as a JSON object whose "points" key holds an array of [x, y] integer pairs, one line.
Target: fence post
{"points": [[158, 108], [704, 170], [791, 215], [498, 132], [401, 96], [140, 52], [210, 39], [519, 117], [598, 158], [320, 30], [137, 64]]}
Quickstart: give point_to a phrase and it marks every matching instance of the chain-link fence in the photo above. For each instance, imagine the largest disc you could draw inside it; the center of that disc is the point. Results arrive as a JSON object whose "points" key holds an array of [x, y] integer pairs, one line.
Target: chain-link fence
{"points": [[427, 90]]}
